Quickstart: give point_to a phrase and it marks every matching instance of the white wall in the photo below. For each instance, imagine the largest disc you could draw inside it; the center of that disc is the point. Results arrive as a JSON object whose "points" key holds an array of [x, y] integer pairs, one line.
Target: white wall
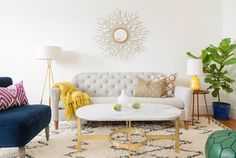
{"points": [[229, 30], [175, 26]]}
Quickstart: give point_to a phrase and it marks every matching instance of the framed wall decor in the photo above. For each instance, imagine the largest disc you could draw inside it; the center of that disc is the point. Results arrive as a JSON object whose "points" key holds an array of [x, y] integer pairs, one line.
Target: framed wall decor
{"points": [[120, 34]]}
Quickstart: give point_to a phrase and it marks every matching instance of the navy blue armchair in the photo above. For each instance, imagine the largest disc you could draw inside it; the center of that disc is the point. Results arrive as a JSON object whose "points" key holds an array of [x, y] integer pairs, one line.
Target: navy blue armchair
{"points": [[19, 125]]}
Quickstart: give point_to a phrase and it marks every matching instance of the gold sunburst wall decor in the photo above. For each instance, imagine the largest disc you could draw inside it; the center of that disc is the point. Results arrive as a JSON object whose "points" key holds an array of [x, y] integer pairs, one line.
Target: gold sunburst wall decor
{"points": [[120, 34]]}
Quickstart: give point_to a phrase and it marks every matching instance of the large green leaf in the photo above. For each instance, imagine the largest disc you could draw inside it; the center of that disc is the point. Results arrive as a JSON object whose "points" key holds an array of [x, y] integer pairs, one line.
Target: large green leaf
{"points": [[212, 50], [191, 55], [216, 85], [215, 92], [209, 80], [225, 44], [230, 61], [227, 89], [232, 47]]}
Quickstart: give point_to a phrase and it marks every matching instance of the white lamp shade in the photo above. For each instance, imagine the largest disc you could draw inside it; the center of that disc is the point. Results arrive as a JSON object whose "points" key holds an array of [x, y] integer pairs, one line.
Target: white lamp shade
{"points": [[48, 52], [194, 67]]}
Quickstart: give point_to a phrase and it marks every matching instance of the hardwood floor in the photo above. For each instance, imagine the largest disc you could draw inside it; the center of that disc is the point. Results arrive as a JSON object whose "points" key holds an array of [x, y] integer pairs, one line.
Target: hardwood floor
{"points": [[230, 123]]}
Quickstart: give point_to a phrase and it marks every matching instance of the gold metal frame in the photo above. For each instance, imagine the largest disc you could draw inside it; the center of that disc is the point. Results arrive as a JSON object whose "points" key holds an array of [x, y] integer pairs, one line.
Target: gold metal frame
{"points": [[129, 130], [122, 28]]}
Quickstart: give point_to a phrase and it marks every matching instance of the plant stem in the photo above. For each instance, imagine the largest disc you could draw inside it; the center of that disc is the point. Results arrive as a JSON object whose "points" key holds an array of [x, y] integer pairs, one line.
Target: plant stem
{"points": [[218, 97]]}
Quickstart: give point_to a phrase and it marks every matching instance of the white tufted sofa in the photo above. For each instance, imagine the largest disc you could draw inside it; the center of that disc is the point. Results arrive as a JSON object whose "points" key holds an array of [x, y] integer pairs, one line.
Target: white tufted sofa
{"points": [[106, 87]]}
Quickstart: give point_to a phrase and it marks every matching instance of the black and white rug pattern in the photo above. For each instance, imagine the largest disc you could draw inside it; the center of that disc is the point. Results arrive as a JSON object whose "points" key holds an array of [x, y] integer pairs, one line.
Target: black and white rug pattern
{"points": [[62, 143]]}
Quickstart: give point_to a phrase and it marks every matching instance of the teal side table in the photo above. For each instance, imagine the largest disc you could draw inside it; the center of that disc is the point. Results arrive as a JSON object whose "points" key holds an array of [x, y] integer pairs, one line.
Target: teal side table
{"points": [[221, 144]]}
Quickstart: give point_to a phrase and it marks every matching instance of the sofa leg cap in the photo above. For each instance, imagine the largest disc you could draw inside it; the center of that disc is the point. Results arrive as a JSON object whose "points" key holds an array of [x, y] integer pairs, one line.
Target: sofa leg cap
{"points": [[56, 125], [186, 125], [21, 152]]}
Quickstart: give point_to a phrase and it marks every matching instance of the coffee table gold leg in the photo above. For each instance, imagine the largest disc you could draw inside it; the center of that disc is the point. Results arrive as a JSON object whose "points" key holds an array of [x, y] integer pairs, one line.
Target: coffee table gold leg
{"points": [[129, 152], [177, 135], [79, 142]]}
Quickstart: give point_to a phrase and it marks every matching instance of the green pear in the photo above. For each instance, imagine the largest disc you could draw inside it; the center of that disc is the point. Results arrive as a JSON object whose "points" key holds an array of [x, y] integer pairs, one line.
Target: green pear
{"points": [[117, 107], [136, 105]]}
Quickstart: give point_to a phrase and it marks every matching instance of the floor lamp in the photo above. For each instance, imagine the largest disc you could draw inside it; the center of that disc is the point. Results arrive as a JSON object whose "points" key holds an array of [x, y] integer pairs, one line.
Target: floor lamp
{"points": [[48, 53]]}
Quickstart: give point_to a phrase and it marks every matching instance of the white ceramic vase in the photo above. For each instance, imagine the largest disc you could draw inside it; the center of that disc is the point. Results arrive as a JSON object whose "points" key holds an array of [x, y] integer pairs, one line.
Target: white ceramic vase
{"points": [[123, 99]]}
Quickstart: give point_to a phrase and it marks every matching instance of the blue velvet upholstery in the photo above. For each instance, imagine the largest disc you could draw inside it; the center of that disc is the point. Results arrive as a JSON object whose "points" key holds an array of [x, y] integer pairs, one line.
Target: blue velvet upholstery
{"points": [[5, 81], [19, 125]]}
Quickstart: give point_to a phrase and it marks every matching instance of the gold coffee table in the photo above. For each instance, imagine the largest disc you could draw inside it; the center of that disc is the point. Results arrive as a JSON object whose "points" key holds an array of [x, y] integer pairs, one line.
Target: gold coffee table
{"points": [[147, 112]]}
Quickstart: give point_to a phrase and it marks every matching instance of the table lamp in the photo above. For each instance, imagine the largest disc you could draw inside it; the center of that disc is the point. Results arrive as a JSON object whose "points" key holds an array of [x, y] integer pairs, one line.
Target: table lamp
{"points": [[48, 53], [194, 68]]}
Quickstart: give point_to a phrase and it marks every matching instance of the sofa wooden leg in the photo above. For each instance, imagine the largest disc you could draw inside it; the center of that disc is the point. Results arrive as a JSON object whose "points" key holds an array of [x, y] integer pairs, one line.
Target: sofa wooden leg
{"points": [[186, 125], [56, 125], [21, 152], [47, 133]]}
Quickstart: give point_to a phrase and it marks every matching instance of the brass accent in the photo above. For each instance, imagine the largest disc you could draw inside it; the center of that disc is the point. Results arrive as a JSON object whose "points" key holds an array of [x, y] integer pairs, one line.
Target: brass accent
{"points": [[120, 49], [79, 135], [129, 130], [56, 125], [186, 123], [130, 144]]}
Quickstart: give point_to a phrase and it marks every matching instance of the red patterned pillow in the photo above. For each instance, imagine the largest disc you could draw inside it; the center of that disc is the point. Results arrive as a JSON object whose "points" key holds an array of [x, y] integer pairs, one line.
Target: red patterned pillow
{"points": [[14, 95]]}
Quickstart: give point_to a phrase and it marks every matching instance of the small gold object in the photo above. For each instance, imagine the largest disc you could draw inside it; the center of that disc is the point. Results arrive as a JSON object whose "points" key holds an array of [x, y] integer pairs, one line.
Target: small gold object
{"points": [[195, 83], [129, 145]]}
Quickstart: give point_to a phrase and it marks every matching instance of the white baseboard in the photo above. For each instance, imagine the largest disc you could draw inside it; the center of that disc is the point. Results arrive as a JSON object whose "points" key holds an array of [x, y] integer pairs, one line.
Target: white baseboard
{"points": [[202, 110]]}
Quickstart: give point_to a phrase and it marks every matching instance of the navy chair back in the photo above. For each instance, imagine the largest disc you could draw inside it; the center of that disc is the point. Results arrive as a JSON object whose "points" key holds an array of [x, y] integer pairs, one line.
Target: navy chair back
{"points": [[5, 81]]}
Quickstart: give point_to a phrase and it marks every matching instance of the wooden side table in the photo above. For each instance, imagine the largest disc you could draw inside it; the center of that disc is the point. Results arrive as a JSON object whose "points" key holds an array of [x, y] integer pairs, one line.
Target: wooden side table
{"points": [[197, 93]]}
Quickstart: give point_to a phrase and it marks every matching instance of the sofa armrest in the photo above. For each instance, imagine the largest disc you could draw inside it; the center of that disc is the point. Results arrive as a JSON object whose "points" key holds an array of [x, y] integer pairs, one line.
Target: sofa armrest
{"points": [[55, 96], [185, 94]]}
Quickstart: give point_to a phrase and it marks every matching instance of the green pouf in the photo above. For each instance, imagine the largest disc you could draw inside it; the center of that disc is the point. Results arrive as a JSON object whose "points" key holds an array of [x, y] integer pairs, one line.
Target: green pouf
{"points": [[221, 144]]}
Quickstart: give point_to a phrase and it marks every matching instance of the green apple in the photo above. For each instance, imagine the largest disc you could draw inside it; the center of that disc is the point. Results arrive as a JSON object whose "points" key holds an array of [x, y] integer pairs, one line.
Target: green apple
{"points": [[117, 107], [136, 105]]}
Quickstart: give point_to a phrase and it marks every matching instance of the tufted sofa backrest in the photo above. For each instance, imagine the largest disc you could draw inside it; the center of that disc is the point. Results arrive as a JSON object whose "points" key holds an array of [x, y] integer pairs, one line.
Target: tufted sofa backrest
{"points": [[103, 84]]}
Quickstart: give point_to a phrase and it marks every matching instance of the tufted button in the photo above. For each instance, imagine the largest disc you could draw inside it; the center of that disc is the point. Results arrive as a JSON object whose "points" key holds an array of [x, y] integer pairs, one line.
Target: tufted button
{"points": [[106, 81], [95, 91], [94, 81], [101, 86]]}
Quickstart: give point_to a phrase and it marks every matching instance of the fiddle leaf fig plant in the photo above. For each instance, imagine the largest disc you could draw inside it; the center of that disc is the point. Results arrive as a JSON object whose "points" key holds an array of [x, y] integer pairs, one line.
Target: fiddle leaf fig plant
{"points": [[215, 59]]}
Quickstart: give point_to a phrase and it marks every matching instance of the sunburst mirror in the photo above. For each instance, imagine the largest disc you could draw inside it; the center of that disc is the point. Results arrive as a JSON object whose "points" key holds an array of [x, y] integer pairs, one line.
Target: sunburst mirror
{"points": [[120, 34]]}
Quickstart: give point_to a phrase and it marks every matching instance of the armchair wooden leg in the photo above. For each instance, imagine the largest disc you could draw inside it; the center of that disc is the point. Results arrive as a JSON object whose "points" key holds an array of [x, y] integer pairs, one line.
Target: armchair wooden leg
{"points": [[47, 133], [186, 125], [56, 125], [21, 151]]}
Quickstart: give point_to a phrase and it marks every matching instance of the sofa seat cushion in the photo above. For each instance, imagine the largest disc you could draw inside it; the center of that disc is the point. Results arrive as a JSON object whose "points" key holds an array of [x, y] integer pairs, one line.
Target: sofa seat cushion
{"points": [[21, 124], [168, 101]]}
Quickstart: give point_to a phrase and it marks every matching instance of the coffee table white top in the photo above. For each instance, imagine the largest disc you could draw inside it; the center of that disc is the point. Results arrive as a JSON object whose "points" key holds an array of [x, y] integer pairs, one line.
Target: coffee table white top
{"points": [[147, 112]]}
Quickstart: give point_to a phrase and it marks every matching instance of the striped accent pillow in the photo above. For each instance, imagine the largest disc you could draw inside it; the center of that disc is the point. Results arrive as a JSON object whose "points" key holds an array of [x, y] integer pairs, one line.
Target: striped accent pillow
{"points": [[12, 96]]}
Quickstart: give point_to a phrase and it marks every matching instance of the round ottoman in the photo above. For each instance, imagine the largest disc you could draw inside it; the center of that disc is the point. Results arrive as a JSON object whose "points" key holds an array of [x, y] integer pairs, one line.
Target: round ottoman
{"points": [[221, 144]]}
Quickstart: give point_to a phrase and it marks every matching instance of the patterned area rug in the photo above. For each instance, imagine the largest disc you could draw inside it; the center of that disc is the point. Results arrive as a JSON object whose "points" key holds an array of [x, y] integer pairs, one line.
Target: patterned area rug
{"points": [[62, 143]]}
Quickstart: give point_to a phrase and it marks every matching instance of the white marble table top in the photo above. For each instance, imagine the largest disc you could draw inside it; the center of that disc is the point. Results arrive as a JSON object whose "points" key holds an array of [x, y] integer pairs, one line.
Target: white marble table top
{"points": [[147, 112]]}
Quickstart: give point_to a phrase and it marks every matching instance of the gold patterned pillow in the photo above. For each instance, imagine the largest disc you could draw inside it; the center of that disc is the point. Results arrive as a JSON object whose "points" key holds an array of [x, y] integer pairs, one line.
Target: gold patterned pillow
{"points": [[149, 88], [170, 82]]}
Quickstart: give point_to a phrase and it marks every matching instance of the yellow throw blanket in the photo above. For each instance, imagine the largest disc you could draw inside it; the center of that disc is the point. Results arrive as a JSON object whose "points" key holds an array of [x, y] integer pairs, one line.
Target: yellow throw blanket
{"points": [[72, 98]]}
